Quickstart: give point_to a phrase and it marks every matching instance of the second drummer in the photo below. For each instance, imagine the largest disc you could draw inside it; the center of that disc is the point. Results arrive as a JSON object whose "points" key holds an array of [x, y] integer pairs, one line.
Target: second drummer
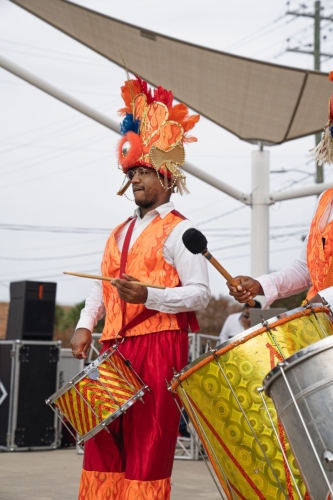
{"points": [[313, 269]]}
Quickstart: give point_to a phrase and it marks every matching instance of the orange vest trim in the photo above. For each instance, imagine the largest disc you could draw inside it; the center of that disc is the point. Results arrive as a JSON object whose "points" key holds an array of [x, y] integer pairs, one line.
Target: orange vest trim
{"points": [[145, 262], [320, 247]]}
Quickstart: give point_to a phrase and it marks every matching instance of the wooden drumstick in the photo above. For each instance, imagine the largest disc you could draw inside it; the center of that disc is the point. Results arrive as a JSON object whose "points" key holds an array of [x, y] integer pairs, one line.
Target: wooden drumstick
{"points": [[124, 188], [106, 278], [196, 243]]}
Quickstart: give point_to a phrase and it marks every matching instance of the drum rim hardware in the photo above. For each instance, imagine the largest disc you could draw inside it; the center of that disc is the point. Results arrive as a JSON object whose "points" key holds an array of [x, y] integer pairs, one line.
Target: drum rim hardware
{"points": [[247, 335], [292, 361]]}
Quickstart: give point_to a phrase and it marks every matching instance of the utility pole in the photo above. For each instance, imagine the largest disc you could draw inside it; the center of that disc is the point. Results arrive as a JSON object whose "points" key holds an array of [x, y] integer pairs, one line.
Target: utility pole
{"points": [[317, 55]]}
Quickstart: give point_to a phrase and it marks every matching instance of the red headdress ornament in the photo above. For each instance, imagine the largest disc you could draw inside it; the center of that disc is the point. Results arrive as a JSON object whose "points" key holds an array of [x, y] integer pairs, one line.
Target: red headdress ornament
{"points": [[154, 131]]}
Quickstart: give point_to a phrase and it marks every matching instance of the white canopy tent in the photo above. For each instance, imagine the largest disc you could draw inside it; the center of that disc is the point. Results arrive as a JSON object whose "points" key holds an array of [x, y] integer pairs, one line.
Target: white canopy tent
{"points": [[259, 102]]}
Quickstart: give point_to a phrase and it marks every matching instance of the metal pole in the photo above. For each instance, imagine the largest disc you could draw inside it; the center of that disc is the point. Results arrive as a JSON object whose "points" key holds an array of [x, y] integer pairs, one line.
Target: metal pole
{"points": [[316, 53], [260, 213], [58, 94], [292, 194]]}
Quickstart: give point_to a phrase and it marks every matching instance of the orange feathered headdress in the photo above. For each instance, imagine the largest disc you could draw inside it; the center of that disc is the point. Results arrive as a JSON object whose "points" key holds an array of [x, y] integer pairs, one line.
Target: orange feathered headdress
{"points": [[154, 131], [323, 152]]}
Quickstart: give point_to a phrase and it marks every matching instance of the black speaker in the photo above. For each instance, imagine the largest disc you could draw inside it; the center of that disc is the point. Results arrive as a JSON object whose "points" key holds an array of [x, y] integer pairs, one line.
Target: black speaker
{"points": [[28, 375], [31, 310]]}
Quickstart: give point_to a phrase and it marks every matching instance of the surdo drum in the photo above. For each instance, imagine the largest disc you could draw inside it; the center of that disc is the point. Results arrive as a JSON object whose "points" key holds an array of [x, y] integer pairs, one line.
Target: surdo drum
{"points": [[302, 391], [220, 393], [98, 394]]}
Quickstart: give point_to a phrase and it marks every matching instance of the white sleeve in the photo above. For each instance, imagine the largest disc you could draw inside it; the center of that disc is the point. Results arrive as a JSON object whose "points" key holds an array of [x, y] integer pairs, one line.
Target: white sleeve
{"points": [[194, 292], [289, 280], [94, 309]]}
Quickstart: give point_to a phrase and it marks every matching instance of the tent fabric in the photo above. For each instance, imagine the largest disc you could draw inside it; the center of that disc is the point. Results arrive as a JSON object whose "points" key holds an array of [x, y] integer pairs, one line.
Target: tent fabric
{"points": [[256, 101]]}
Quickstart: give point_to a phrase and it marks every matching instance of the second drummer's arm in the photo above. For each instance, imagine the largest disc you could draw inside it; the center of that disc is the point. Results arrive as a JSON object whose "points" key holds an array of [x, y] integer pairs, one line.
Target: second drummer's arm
{"points": [[289, 280]]}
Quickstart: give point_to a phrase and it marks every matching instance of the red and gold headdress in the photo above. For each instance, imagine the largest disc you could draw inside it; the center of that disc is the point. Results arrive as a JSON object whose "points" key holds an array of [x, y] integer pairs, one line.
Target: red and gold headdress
{"points": [[154, 131], [323, 152]]}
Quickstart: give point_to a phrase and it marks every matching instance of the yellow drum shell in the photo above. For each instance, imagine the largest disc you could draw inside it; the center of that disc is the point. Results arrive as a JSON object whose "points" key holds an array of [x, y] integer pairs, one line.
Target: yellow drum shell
{"points": [[234, 452]]}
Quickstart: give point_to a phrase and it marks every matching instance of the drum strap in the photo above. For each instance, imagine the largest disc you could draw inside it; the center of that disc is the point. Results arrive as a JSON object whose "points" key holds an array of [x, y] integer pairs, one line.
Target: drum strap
{"points": [[146, 313]]}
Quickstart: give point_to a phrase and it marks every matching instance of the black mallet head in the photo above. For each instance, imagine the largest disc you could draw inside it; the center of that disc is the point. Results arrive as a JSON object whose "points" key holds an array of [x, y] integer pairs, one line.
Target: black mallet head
{"points": [[195, 241]]}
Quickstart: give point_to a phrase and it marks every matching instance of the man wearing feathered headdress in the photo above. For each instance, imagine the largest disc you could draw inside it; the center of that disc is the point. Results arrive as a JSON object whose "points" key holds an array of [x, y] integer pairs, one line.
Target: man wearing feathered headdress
{"points": [[134, 460]]}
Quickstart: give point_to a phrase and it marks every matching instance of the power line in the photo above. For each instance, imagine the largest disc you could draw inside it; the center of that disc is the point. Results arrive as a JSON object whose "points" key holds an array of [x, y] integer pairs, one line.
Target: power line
{"points": [[60, 257], [49, 50], [228, 257], [45, 56], [255, 34], [77, 119], [55, 229], [222, 215], [52, 174], [246, 228], [44, 146], [58, 269], [53, 276]]}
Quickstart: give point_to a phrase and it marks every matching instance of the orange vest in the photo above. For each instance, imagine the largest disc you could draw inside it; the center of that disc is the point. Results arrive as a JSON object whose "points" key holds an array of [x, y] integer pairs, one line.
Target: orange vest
{"points": [[320, 248], [145, 262]]}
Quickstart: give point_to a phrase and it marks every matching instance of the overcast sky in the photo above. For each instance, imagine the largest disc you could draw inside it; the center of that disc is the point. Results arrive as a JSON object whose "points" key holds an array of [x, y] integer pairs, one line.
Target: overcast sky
{"points": [[58, 168]]}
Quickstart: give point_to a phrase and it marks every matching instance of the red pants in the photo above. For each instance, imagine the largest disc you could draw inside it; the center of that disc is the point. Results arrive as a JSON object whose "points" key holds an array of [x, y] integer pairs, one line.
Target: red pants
{"points": [[135, 460]]}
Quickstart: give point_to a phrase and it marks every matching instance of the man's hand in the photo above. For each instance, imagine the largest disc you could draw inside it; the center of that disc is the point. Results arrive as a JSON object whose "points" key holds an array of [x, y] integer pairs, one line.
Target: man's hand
{"points": [[80, 343], [247, 288], [130, 292]]}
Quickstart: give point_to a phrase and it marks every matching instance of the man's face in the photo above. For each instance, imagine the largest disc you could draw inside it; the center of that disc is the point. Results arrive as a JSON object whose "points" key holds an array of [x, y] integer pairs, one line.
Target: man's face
{"points": [[147, 189], [246, 317]]}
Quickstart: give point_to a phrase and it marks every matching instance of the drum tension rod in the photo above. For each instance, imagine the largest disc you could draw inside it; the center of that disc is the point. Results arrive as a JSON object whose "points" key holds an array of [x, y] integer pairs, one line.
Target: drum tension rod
{"points": [[326, 304], [272, 336], [261, 390], [195, 437], [310, 306]]}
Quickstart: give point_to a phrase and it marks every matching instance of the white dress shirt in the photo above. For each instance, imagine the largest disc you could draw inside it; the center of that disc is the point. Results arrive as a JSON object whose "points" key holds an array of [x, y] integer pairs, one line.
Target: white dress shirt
{"points": [[192, 270], [232, 326], [295, 277]]}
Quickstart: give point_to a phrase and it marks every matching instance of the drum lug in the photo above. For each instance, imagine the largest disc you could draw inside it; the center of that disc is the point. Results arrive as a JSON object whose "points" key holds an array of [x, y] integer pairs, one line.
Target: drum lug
{"points": [[168, 385], [105, 428], [328, 459]]}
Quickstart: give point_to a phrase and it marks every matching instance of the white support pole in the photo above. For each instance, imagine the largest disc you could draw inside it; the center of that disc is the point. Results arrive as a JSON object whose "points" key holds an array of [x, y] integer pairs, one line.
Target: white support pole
{"points": [[58, 94], [292, 194], [260, 213]]}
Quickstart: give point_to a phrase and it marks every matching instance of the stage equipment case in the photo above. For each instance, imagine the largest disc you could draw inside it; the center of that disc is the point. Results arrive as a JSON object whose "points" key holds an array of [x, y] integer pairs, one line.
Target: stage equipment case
{"points": [[29, 373]]}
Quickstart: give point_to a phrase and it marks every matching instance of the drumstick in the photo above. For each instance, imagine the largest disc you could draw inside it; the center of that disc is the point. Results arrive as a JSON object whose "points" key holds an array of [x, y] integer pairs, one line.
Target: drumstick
{"points": [[106, 278], [196, 243], [124, 188]]}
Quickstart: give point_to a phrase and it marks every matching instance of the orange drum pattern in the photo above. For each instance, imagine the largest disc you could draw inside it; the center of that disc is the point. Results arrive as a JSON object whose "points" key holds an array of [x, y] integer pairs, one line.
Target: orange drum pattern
{"points": [[220, 413], [99, 394]]}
